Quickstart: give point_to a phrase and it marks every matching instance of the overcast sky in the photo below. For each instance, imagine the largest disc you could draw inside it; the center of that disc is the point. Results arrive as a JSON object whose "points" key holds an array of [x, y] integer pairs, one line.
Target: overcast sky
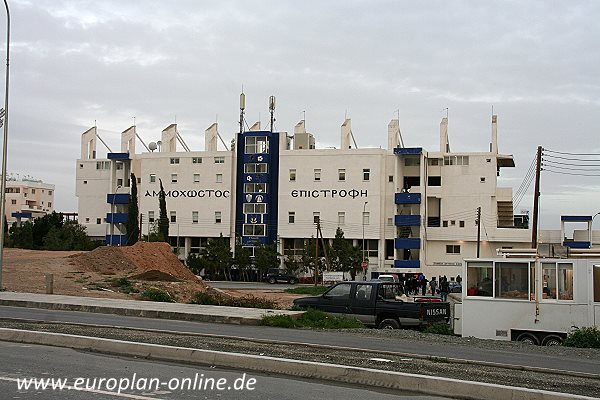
{"points": [[536, 63]]}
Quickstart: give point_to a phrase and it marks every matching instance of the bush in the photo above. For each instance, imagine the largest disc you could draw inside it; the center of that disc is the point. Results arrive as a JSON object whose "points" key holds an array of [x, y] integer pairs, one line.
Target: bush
{"points": [[440, 328], [155, 294], [312, 319], [215, 299], [586, 337], [311, 290], [124, 285]]}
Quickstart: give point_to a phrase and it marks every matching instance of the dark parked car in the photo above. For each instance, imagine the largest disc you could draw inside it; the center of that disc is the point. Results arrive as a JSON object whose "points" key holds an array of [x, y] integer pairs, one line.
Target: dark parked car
{"points": [[454, 287], [380, 304], [275, 275]]}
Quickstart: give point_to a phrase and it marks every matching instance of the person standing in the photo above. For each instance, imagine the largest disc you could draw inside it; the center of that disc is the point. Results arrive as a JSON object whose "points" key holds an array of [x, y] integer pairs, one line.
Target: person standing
{"points": [[423, 286], [444, 288], [433, 286]]}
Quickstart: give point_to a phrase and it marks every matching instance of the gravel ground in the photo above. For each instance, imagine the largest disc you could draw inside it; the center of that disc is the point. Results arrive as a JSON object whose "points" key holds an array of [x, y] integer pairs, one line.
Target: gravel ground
{"points": [[433, 367]]}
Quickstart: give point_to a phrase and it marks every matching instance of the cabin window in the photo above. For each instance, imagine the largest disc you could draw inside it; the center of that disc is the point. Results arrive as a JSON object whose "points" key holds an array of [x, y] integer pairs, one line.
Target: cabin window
{"points": [[557, 281], [340, 291], [597, 283], [480, 279], [512, 280]]}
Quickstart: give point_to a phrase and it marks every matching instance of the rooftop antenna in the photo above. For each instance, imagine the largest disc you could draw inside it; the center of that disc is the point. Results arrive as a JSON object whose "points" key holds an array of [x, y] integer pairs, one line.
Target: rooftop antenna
{"points": [[272, 110], [242, 108], [445, 109]]}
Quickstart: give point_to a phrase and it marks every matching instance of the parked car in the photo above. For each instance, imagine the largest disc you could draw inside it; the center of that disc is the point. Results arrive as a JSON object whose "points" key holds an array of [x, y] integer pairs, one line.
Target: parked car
{"points": [[380, 304], [387, 278], [275, 275], [454, 287]]}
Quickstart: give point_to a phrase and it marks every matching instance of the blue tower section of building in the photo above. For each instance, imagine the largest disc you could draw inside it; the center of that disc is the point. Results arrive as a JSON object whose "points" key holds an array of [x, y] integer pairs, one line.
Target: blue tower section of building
{"points": [[257, 179]]}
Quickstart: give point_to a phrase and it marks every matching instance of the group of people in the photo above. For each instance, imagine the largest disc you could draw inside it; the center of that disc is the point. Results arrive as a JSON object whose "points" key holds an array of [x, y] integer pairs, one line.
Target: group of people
{"points": [[419, 284]]}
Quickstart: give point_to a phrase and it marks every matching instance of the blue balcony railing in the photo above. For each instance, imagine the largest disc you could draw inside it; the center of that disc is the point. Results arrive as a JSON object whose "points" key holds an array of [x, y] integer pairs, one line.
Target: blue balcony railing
{"points": [[117, 198], [408, 198], [407, 220], [407, 264], [117, 218], [407, 243]]}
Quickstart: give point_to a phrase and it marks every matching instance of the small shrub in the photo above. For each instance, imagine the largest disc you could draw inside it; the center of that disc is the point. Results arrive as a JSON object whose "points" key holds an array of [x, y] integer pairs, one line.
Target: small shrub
{"points": [[281, 321], [124, 285], [586, 337], [440, 328], [312, 319], [155, 294], [215, 299], [311, 290]]}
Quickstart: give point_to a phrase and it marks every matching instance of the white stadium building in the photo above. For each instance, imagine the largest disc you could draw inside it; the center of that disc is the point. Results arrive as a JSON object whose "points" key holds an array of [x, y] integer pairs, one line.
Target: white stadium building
{"points": [[414, 210]]}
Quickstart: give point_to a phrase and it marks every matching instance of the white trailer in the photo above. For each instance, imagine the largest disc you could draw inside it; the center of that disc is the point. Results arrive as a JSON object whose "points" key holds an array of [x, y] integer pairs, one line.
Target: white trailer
{"points": [[533, 300]]}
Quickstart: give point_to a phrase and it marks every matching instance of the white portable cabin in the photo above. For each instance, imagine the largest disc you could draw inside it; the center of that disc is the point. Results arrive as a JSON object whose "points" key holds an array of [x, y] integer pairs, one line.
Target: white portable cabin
{"points": [[537, 300]]}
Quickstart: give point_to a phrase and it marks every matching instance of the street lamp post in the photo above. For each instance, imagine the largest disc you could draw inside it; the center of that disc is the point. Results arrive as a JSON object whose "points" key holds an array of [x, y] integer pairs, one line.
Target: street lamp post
{"points": [[592, 229], [4, 147], [363, 239]]}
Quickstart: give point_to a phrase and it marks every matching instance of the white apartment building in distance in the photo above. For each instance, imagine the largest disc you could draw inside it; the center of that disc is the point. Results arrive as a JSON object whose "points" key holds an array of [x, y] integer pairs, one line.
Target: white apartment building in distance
{"points": [[415, 210], [27, 199]]}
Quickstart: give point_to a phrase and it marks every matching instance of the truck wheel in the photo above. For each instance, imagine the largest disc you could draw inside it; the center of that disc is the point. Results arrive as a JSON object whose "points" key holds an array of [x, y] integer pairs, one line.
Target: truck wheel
{"points": [[528, 338], [552, 340], [389, 324], [292, 281], [272, 280]]}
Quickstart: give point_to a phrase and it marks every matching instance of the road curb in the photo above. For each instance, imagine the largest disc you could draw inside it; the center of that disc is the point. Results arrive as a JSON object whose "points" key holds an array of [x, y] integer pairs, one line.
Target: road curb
{"points": [[305, 369]]}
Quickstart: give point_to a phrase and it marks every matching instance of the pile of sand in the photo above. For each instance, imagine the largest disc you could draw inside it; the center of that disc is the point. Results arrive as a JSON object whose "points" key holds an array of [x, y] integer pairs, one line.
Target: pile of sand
{"points": [[145, 261]]}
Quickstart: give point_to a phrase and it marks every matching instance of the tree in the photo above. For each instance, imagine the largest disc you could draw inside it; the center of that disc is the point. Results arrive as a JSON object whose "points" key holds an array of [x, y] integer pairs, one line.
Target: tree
{"points": [[265, 257], [42, 225], [216, 255], [242, 260], [21, 236], [133, 229], [71, 236], [163, 220], [344, 256]]}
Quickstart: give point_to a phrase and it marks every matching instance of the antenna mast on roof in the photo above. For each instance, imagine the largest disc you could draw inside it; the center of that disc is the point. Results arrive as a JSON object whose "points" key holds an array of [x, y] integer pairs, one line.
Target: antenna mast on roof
{"points": [[272, 110], [242, 108]]}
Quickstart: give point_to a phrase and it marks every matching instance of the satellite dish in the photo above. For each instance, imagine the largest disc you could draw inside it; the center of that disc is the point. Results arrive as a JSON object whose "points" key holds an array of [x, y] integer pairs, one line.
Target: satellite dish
{"points": [[152, 146]]}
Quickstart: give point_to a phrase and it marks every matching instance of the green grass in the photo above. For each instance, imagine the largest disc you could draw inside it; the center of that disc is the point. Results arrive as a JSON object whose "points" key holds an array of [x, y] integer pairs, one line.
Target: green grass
{"points": [[124, 285], [312, 290], [214, 299], [312, 319], [154, 294]]}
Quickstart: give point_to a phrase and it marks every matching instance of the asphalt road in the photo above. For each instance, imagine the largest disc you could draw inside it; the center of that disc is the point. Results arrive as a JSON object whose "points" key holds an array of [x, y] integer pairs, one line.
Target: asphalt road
{"points": [[521, 358], [32, 361]]}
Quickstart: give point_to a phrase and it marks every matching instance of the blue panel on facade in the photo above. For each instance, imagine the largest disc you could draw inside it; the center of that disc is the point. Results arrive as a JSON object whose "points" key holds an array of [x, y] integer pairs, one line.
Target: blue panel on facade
{"points": [[575, 218], [407, 220], [117, 218], [408, 198], [408, 150], [407, 243], [117, 198], [22, 214], [578, 245], [116, 240], [118, 156], [407, 264]]}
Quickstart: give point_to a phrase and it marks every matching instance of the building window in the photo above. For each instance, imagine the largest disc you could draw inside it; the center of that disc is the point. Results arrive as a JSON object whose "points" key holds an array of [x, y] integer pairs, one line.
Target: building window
{"points": [[391, 178], [482, 179], [341, 218], [291, 217], [317, 174], [81, 166], [174, 160], [119, 166], [217, 217], [433, 161], [219, 178], [152, 178], [434, 181], [452, 249], [390, 221], [173, 216], [255, 208], [219, 160], [196, 160], [316, 217], [173, 178], [194, 217], [13, 201], [49, 192], [292, 175], [366, 174], [452, 222], [445, 224], [412, 161], [196, 178], [341, 174], [254, 230], [461, 224], [87, 220], [255, 168], [150, 216], [366, 217], [255, 188], [410, 181], [257, 145], [98, 221], [119, 182], [456, 160], [49, 204]]}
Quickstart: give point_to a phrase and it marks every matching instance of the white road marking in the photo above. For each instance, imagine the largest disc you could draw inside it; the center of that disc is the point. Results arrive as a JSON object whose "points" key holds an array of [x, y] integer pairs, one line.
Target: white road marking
{"points": [[123, 395]]}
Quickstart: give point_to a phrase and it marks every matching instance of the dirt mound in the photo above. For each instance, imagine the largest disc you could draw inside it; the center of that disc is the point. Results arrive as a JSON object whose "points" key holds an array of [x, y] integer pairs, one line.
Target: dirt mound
{"points": [[148, 261]]}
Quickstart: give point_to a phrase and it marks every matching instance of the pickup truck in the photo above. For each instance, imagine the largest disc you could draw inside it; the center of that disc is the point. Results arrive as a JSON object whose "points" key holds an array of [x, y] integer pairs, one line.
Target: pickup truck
{"points": [[380, 304]]}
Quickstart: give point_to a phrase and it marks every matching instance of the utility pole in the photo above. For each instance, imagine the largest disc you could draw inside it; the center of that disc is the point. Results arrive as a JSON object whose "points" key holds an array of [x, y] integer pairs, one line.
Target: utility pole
{"points": [[536, 199], [320, 232], [478, 229]]}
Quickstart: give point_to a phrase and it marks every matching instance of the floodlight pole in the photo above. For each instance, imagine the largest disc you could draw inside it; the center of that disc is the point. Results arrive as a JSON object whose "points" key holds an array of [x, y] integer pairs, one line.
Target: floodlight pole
{"points": [[4, 148]]}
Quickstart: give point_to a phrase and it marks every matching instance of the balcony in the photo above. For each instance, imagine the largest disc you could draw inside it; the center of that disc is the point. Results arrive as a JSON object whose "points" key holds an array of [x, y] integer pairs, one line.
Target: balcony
{"points": [[407, 264], [408, 151], [117, 218], [407, 220], [117, 198], [577, 245], [21, 215], [407, 243], [407, 198], [115, 240]]}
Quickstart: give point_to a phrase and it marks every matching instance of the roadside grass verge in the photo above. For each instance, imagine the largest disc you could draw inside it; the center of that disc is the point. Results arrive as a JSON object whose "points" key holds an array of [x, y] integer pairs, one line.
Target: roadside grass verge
{"points": [[311, 290], [439, 328], [216, 299], [311, 319], [155, 294]]}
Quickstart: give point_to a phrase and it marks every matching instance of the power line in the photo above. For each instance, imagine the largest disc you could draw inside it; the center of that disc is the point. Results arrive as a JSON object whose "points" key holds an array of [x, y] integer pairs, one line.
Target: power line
{"points": [[568, 173], [574, 154]]}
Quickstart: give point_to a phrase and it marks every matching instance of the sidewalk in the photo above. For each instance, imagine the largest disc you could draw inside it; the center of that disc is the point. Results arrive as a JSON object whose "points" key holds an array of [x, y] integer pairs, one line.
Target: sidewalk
{"points": [[137, 308]]}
